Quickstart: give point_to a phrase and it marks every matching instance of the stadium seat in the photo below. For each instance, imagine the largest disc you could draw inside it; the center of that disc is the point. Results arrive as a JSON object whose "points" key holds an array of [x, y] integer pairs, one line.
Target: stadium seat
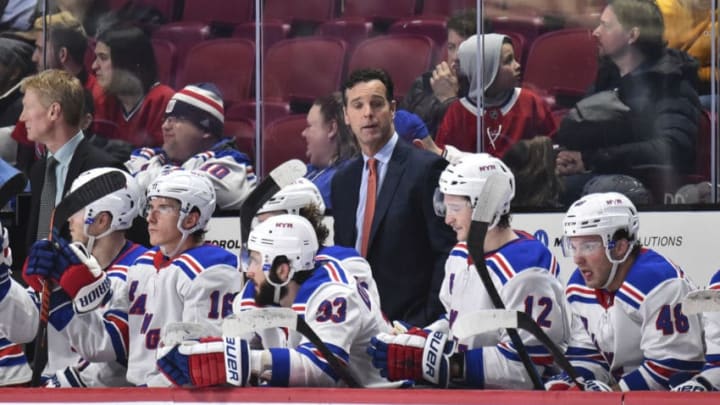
{"points": [[243, 130], [168, 8], [411, 55], [245, 110], [301, 69], [227, 62], [273, 31], [434, 28], [445, 8], [218, 11], [282, 140], [379, 9], [351, 30], [305, 10], [183, 35], [562, 63], [166, 62]]}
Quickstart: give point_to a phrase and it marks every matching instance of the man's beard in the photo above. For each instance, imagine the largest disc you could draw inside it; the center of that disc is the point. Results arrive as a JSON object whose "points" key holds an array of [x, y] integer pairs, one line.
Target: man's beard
{"points": [[266, 294]]}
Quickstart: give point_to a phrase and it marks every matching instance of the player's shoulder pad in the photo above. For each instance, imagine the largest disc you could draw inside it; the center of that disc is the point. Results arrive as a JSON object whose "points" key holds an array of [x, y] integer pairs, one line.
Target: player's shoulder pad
{"points": [[649, 271], [519, 255], [336, 253], [204, 257], [328, 272]]}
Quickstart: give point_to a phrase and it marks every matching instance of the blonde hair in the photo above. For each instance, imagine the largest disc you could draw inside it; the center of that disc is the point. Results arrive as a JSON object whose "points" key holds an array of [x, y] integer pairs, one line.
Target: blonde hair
{"points": [[62, 19], [58, 86]]}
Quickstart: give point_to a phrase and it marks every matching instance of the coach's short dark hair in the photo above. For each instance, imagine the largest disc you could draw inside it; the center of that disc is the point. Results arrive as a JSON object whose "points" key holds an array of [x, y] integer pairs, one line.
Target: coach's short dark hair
{"points": [[367, 75]]}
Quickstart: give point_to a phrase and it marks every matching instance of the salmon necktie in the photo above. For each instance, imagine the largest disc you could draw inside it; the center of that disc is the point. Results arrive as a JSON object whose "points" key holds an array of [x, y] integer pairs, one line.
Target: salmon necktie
{"points": [[369, 204]]}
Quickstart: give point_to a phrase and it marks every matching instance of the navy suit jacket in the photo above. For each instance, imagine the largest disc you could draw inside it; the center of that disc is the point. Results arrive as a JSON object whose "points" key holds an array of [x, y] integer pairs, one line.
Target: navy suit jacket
{"points": [[408, 243], [85, 157]]}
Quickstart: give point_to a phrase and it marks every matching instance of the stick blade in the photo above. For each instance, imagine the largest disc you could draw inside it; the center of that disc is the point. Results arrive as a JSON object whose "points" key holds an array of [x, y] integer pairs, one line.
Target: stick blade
{"points": [[84, 195], [493, 194], [278, 178], [483, 321], [258, 319], [178, 332], [700, 301]]}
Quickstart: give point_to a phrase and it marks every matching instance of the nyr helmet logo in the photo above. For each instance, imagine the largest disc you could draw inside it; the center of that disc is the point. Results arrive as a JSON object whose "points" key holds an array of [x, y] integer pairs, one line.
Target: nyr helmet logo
{"points": [[485, 168], [285, 225]]}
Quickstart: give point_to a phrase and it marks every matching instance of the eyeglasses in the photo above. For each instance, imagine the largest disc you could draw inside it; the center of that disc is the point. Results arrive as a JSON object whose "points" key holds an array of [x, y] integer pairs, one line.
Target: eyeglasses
{"points": [[175, 119], [455, 208]]}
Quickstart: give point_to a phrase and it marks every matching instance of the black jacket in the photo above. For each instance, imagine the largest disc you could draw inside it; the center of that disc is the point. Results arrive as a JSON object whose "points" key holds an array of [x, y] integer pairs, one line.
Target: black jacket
{"points": [[663, 121]]}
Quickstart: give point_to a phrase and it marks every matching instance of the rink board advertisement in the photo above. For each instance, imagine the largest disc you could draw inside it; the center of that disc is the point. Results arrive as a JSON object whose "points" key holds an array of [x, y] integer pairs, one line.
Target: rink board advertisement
{"points": [[688, 238]]}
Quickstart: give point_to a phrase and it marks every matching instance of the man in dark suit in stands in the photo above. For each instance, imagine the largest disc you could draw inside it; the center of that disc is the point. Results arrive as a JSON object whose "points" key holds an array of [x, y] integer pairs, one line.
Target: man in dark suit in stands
{"points": [[383, 204], [53, 106]]}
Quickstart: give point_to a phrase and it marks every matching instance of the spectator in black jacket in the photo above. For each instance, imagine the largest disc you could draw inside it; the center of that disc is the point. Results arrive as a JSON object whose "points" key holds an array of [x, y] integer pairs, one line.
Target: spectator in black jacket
{"points": [[655, 82]]}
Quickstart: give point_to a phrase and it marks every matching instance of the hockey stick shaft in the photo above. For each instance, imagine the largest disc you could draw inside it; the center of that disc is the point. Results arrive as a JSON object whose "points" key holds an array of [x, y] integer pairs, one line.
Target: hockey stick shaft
{"points": [[73, 202], [476, 241]]}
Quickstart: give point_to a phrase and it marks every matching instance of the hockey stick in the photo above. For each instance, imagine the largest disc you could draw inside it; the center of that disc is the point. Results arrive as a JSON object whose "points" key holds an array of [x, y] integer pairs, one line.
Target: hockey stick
{"points": [[493, 191], [72, 203], [701, 301], [278, 178], [267, 318], [487, 320]]}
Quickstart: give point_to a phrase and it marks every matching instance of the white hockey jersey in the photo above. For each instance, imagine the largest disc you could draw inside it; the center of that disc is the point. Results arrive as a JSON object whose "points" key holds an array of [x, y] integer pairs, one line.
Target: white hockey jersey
{"points": [[97, 359], [524, 272], [198, 286], [229, 170], [341, 312], [18, 324], [711, 323], [637, 336]]}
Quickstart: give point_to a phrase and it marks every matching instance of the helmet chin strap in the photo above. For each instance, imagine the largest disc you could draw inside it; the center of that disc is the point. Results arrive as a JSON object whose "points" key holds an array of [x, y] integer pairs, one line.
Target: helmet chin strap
{"points": [[615, 265], [177, 247]]}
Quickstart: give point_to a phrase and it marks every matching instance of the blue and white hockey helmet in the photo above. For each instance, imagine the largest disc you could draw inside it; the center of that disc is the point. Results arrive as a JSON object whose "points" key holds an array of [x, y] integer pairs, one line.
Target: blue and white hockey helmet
{"points": [[298, 194], [602, 214], [189, 187], [467, 177], [286, 235]]}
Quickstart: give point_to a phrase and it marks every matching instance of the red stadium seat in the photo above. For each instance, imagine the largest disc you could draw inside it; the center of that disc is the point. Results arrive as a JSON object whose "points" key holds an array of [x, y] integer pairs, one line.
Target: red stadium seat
{"points": [[218, 11], [243, 130], [351, 30], [183, 35], [404, 57], [227, 62], [168, 8], [379, 9], [273, 31], [445, 8], [305, 10], [434, 28], [282, 140], [166, 62], [271, 110], [562, 62], [301, 69]]}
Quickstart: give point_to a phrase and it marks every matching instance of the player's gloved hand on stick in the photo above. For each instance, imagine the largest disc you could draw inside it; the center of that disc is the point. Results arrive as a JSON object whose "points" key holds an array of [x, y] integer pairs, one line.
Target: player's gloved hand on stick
{"points": [[206, 362], [418, 355], [44, 262], [695, 384], [83, 280]]}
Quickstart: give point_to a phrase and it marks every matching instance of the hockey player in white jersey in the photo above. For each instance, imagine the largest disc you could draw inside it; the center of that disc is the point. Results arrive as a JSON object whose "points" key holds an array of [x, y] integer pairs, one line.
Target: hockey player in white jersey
{"points": [[90, 296], [181, 279], [16, 307], [629, 331], [283, 271], [193, 140], [523, 271], [709, 378]]}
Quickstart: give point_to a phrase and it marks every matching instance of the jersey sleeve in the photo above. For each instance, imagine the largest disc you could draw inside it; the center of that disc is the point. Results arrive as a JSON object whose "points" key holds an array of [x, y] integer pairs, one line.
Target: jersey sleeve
{"points": [[208, 297], [18, 312], [230, 172], [335, 316], [671, 341], [711, 324], [102, 335]]}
